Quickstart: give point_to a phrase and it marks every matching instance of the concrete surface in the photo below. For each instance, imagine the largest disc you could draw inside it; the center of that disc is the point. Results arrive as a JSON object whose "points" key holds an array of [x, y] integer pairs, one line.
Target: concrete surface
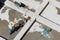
{"points": [[36, 35], [16, 12]]}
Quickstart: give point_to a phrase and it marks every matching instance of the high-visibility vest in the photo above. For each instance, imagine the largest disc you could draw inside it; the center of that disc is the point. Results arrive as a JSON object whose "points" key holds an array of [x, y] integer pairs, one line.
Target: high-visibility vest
{"points": [[11, 25], [26, 17]]}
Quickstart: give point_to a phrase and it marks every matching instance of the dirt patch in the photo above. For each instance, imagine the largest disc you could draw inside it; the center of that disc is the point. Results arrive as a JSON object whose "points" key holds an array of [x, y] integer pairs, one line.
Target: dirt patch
{"points": [[14, 14]]}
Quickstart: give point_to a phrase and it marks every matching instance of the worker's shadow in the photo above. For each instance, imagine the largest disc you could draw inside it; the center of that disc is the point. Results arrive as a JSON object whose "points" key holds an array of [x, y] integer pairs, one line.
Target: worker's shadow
{"points": [[18, 27]]}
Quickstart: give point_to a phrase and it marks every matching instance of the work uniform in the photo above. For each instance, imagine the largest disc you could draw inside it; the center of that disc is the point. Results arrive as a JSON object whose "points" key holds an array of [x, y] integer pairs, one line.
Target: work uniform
{"points": [[11, 27], [26, 18]]}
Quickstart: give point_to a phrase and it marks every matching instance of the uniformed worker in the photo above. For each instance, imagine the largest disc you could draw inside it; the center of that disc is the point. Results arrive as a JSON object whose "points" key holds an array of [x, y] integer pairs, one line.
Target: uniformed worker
{"points": [[26, 18], [11, 27]]}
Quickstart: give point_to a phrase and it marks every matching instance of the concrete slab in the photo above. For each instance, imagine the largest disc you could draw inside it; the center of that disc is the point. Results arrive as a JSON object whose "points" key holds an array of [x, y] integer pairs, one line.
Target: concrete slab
{"points": [[36, 35], [2, 38], [53, 9], [48, 23]]}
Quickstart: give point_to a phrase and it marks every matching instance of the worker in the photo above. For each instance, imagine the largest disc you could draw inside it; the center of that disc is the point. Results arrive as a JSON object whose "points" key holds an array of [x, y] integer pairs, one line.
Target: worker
{"points": [[14, 26], [45, 32], [11, 27], [26, 18]]}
